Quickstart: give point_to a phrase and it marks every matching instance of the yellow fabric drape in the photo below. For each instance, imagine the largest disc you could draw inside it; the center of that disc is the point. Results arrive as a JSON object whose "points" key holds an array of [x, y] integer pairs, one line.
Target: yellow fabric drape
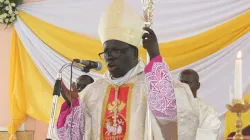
{"points": [[231, 118], [177, 53], [189, 50], [30, 93], [17, 101]]}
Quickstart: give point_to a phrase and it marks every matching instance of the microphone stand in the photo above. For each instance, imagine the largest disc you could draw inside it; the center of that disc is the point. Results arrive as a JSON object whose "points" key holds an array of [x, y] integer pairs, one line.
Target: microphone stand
{"points": [[56, 94]]}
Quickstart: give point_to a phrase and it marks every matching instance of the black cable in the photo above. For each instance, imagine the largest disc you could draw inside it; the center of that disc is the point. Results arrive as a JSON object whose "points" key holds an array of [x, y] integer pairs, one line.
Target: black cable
{"points": [[71, 105]]}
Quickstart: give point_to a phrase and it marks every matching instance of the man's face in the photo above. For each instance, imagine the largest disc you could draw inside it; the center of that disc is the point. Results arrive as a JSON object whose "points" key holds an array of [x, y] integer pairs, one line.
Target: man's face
{"points": [[82, 82], [191, 79], [120, 57]]}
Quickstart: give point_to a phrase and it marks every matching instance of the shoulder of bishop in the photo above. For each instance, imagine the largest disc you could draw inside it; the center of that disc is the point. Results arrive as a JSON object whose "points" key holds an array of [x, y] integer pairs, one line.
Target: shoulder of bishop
{"points": [[98, 83], [95, 88], [141, 76]]}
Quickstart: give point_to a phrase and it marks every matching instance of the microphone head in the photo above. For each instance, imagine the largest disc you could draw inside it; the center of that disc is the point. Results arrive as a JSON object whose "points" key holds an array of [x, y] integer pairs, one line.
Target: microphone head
{"points": [[99, 66]]}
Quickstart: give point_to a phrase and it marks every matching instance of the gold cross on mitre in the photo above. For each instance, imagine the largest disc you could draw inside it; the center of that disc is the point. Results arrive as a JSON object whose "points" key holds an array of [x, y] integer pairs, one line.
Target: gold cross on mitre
{"points": [[128, 34]]}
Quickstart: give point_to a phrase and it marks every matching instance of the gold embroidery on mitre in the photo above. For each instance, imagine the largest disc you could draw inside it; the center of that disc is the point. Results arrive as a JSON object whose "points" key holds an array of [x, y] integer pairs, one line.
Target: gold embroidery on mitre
{"points": [[121, 22]]}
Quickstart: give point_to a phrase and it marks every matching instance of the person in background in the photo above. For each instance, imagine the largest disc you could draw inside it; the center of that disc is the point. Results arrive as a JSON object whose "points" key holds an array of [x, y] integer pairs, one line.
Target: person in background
{"points": [[209, 123], [203, 123], [83, 81]]}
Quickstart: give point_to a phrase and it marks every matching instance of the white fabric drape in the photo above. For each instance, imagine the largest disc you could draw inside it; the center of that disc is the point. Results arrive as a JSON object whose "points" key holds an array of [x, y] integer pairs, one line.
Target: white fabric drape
{"points": [[173, 19], [47, 60]]}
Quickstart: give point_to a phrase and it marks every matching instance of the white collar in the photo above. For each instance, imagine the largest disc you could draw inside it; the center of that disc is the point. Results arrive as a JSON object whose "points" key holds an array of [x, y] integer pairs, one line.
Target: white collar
{"points": [[122, 80]]}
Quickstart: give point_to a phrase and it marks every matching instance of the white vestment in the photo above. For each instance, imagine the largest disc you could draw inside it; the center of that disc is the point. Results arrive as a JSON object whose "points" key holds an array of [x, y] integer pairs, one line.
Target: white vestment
{"points": [[196, 119], [209, 123]]}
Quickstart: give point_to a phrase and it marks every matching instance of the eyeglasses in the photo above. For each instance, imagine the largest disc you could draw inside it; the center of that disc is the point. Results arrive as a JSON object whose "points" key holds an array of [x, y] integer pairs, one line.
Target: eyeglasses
{"points": [[114, 53]]}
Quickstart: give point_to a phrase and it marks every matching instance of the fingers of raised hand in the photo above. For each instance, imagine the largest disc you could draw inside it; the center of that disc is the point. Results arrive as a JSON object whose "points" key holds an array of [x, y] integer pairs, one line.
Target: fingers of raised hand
{"points": [[150, 31], [147, 37]]}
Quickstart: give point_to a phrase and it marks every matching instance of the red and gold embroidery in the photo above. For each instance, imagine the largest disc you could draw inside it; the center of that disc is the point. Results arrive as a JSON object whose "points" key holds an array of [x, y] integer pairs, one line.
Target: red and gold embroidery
{"points": [[116, 113]]}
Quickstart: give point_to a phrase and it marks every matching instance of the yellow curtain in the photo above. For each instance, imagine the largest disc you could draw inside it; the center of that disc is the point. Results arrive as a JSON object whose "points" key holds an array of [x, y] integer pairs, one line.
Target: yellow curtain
{"points": [[32, 95], [17, 101], [177, 53], [231, 118]]}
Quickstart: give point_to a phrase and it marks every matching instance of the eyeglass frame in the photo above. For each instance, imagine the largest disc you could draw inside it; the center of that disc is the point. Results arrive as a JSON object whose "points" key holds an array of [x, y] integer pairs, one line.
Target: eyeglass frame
{"points": [[109, 53]]}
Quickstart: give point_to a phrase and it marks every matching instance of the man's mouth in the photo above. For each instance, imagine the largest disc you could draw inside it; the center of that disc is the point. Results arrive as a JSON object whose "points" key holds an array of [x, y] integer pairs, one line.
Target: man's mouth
{"points": [[111, 67]]}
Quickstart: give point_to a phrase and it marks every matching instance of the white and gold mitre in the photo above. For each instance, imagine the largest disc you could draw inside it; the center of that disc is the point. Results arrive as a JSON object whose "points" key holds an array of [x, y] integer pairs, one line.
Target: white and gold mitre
{"points": [[121, 22]]}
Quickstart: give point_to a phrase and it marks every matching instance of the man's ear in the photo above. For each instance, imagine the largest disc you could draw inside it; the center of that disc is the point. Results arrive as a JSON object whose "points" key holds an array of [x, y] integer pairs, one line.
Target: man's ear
{"points": [[198, 86]]}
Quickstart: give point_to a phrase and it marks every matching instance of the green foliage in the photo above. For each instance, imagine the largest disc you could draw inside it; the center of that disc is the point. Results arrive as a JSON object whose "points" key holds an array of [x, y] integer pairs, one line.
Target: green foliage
{"points": [[8, 11]]}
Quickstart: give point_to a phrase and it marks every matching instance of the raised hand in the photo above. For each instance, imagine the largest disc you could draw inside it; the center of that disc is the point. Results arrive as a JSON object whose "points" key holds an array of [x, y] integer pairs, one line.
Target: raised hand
{"points": [[150, 43], [66, 92]]}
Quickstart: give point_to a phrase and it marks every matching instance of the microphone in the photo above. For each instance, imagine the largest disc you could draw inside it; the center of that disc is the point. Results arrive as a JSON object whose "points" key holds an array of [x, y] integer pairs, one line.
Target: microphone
{"points": [[90, 64]]}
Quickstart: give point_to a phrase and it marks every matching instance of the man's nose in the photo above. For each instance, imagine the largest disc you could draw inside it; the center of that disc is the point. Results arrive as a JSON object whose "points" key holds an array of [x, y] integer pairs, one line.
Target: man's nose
{"points": [[110, 57]]}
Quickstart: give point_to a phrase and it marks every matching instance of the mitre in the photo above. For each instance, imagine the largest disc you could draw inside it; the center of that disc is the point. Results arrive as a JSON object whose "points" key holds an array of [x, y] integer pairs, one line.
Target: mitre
{"points": [[121, 22]]}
